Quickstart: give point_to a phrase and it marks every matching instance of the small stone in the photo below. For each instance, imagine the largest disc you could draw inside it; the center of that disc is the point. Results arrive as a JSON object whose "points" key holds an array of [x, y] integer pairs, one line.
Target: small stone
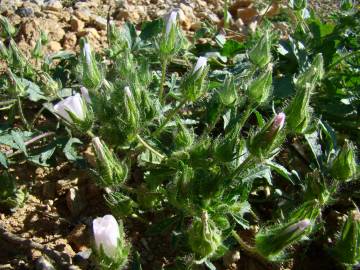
{"points": [[90, 32], [69, 41], [231, 257], [54, 46], [90, 156], [49, 190], [54, 5], [127, 15], [63, 185], [247, 15], [75, 201], [82, 258], [43, 264], [99, 22], [184, 20], [79, 238], [83, 14], [25, 11], [76, 24]]}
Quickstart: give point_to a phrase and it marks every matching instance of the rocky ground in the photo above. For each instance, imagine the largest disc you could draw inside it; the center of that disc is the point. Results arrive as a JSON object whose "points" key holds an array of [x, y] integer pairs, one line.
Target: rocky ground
{"points": [[64, 200]]}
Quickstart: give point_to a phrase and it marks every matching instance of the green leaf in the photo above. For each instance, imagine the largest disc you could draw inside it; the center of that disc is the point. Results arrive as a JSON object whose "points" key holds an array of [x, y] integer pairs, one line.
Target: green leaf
{"points": [[151, 29], [33, 90], [281, 170], [136, 265], [70, 151], [3, 160], [315, 146], [260, 171], [19, 141], [232, 47]]}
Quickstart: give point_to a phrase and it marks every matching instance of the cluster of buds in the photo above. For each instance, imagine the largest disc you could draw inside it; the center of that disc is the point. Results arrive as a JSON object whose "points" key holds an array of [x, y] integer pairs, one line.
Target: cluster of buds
{"points": [[91, 74], [260, 55], [171, 40], [74, 111], [271, 243], [260, 88], [268, 138], [344, 166], [193, 85], [298, 111], [204, 236], [111, 171], [111, 249], [347, 248]]}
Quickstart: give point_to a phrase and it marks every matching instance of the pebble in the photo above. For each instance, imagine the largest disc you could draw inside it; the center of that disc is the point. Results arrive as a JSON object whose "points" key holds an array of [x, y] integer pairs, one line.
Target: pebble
{"points": [[54, 46], [76, 24], [75, 201], [25, 11], [69, 41], [43, 264], [99, 22], [54, 5]]}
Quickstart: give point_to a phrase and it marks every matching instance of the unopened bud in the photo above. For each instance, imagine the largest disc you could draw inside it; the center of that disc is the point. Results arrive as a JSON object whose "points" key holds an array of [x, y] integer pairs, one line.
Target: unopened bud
{"points": [[228, 94], [298, 4], [171, 22], [272, 242], [7, 29], [85, 94], [260, 55], [259, 89], [344, 166], [200, 64]]}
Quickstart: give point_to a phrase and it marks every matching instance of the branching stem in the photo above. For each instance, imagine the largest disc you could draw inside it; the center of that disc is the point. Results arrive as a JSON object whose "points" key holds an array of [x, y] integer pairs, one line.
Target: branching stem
{"points": [[163, 78], [22, 116]]}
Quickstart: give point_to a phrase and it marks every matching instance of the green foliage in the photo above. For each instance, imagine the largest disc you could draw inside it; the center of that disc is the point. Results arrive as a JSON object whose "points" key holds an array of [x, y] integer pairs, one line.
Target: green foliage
{"points": [[197, 145]]}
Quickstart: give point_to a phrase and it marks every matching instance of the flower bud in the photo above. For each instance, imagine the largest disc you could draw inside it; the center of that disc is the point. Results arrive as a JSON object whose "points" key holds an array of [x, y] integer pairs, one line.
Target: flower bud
{"points": [[259, 89], [204, 236], [37, 51], [344, 166], [106, 234], [184, 137], [111, 171], [272, 242], [171, 40], [298, 4], [193, 84], [91, 75], [73, 109], [171, 22], [347, 248], [18, 60], [4, 53], [17, 86], [269, 138], [8, 30], [51, 87], [228, 95], [132, 112], [85, 94], [200, 65], [260, 55]]}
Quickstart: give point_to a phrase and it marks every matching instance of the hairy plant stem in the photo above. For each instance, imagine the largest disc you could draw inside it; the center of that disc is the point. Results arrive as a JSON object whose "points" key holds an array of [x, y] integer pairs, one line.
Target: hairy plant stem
{"points": [[90, 134], [31, 141], [250, 250], [145, 144], [22, 116], [168, 118], [163, 78]]}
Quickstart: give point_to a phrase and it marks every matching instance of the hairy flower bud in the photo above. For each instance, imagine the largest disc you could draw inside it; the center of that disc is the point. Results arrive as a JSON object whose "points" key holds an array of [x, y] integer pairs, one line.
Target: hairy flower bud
{"points": [[17, 86], [91, 75], [4, 53], [347, 248], [260, 55], [73, 109], [259, 89], [111, 171], [344, 166], [265, 141], [51, 87], [272, 242], [171, 22], [193, 84], [85, 94], [204, 236], [228, 94]]}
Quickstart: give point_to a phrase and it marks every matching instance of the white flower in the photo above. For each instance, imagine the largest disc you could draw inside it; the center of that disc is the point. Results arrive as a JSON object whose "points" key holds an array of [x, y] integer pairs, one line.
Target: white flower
{"points": [[171, 21], [106, 234], [200, 64], [87, 53], [85, 94], [99, 148], [73, 104]]}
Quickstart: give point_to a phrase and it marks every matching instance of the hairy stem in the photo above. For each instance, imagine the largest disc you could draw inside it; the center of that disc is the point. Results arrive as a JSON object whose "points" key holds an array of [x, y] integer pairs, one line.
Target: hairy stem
{"points": [[149, 147], [22, 116], [162, 83]]}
